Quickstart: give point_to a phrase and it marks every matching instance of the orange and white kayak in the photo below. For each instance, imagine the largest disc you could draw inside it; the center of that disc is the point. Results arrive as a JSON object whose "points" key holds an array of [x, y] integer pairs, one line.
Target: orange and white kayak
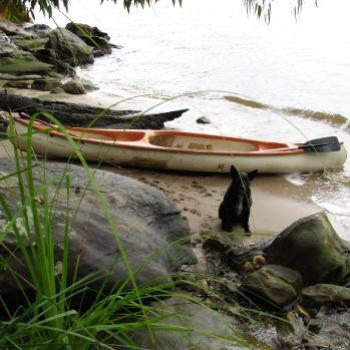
{"points": [[180, 150]]}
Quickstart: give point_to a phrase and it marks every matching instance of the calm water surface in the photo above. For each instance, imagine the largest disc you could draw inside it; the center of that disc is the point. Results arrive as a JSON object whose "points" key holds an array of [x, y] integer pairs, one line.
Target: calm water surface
{"points": [[208, 51]]}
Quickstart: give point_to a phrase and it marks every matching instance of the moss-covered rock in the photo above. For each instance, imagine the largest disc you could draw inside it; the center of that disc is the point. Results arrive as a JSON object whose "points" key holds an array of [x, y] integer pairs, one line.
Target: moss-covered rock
{"points": [[74, 87], [22, 65], [31, 44], [50, 56], [69, 47], [10, 77], [203, 329], [39, 30], [274, 284], [46, 84], [92, 36], [319, 294], [81, 29], [312, 247], [13, 29], [18, 84]]}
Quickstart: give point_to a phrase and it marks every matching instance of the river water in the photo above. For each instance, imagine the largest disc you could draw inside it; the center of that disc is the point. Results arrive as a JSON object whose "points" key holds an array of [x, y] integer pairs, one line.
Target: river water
{"points": [[195, 55]]}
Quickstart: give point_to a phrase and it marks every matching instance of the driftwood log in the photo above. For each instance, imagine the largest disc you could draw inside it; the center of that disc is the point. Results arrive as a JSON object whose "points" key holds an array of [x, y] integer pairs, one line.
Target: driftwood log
{"points": [[73, 114]]}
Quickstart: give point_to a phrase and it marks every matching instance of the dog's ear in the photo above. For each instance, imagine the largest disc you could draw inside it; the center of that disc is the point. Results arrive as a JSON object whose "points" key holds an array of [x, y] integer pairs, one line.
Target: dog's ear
{"points": [[234, 172], [252, 174]]}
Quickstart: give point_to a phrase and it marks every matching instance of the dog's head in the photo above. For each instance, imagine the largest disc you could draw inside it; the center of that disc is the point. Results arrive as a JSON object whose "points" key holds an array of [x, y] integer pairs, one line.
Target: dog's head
{"points": [[241, 180]]}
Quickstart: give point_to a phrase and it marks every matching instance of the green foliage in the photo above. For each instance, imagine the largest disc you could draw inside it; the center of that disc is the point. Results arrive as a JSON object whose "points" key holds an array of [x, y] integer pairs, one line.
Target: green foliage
{"points": [[263, 8], [11, 7], [17, 10]]}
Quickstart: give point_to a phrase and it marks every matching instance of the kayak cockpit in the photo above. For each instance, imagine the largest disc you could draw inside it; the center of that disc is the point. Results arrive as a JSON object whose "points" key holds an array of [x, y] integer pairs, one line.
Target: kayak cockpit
{"points": [[189, 142]]}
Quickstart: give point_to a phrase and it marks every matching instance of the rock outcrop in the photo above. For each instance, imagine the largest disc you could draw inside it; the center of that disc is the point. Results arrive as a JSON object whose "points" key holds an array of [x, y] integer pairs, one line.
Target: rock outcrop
{"points": [[38, 49], [69, 47], [149, 228]]}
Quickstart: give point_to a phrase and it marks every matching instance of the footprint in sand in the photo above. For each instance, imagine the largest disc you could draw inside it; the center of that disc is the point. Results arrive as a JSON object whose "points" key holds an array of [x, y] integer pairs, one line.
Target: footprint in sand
{"points": [[194, 212]]}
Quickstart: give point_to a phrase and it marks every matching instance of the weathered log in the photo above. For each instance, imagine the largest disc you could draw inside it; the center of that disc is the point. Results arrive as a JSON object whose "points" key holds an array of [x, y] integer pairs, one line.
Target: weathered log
{"points": [[73, 114]]}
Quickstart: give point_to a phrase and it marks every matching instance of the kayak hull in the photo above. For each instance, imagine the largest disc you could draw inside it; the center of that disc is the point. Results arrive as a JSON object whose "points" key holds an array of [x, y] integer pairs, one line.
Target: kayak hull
{"points": [[138, 153]]}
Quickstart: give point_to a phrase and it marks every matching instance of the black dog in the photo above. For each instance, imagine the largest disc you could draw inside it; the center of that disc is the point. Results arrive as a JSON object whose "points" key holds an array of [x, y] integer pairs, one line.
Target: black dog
{"points": [[235, 207]]}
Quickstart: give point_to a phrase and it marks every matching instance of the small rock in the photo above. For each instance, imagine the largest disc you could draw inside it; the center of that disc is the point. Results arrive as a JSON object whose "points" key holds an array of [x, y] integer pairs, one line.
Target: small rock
{"points": [[88, 85], [323, 293], [98, 53], [203, 120], [40, 30], [259, 261], [47, 84], [57, 90], [315, 325], [74, 87], [275, 284], [18, 84]]}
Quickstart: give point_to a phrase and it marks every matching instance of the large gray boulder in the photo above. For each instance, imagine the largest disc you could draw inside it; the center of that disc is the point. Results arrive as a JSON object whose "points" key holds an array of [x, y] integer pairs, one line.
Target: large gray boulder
{"points": [[150, 228], [313, 248], [69, 47], [202, 329]]}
